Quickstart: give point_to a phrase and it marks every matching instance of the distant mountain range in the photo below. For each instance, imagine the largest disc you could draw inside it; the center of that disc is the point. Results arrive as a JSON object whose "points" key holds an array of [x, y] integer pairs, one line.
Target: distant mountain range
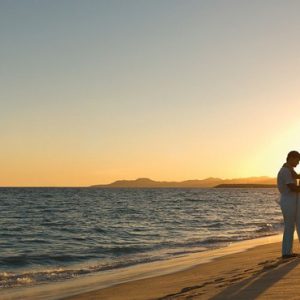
{"points": [[204, 183]]}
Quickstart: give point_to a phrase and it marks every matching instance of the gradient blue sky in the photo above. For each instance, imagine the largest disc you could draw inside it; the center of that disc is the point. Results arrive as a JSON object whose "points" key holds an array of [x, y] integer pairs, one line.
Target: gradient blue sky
{"points": [[95, 91]]}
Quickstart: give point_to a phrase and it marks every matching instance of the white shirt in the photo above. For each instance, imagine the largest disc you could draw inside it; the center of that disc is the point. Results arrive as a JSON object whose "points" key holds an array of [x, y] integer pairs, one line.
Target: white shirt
{"points": [[285, 177]]}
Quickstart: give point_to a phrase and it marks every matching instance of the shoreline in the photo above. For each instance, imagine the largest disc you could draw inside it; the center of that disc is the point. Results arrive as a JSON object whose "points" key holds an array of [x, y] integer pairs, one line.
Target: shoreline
{"points": [[258, 272], [108, 282]]}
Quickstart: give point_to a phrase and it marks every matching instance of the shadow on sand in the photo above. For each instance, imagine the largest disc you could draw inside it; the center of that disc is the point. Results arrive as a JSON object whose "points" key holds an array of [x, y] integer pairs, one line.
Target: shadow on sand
{"points": [[254, 286]]}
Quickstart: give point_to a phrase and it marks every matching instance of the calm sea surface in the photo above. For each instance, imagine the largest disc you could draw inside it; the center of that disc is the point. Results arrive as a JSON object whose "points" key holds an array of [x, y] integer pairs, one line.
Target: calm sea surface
{"points": [[53, 234]]}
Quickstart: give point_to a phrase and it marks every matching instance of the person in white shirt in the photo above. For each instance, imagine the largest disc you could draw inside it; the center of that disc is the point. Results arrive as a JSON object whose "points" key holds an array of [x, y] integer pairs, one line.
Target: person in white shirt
{"points": [[289, 202]]}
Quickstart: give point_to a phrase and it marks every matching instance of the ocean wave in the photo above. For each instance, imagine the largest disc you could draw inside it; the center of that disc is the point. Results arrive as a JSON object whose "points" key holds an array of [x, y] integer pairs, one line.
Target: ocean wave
{"points": [[220, 239], [23, 259], [269, 227], [11, 279]]}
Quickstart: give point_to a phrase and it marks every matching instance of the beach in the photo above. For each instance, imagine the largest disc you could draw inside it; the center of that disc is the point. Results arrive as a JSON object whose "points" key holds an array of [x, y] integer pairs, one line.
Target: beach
{"points": [[250, 269], [257, 273], [72, 243]]}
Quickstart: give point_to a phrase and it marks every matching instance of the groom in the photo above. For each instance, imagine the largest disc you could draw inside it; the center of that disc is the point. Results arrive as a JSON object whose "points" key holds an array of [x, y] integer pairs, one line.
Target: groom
{"points": [[289, 202]]}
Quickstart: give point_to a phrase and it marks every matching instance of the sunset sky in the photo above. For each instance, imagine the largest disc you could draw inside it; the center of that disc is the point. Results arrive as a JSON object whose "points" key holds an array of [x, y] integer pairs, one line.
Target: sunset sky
{"points": [[96, 91]]}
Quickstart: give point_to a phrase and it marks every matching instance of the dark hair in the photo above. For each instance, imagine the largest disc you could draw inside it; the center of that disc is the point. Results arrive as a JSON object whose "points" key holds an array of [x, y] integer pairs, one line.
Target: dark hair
{"points": [[293, 154]]}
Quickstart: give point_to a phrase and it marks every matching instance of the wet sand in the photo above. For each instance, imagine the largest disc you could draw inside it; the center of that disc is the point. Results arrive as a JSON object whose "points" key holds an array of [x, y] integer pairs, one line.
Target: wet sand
{"points": [[246, 270], [257, 273]]}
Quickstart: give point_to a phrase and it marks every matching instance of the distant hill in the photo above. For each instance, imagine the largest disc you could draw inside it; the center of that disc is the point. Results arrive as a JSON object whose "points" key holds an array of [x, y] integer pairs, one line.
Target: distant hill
{"points": [[204, 183]]}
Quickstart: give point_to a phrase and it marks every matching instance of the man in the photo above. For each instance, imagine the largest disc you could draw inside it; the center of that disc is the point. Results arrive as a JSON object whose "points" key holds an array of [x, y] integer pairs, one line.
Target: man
{"points": [[289, 203]]}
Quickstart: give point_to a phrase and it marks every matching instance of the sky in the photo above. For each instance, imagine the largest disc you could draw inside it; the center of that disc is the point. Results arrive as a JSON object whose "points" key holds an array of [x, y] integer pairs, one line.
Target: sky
{"points": [[96, 91]]}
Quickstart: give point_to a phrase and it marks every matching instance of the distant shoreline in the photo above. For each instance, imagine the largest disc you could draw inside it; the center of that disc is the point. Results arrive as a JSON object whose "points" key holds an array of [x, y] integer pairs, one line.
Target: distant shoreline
{"points": [[144, 187], [210, 182], [225, 186], [246, 186]]}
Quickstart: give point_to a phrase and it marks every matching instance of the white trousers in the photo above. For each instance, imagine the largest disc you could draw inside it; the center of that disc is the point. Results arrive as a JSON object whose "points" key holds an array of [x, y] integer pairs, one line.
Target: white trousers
{"points": [[291, 216]]}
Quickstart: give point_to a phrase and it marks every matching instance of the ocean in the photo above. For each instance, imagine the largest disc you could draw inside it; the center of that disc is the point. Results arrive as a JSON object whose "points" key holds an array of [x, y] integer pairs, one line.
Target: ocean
{"points": [[55, 234]]}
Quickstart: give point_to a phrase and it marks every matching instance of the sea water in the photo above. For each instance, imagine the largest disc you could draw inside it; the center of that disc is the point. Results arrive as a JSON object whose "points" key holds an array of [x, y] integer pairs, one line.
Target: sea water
{"points": [[54, 234]]}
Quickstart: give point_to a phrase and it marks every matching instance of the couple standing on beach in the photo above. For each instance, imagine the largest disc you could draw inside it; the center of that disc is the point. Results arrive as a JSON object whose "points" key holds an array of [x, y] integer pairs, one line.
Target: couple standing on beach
{"points": [[289, 202]]}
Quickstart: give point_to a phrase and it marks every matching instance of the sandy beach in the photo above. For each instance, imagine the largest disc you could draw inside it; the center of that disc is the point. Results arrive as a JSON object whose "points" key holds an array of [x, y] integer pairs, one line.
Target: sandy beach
{"points": [[257, 273], [250, 269]]}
